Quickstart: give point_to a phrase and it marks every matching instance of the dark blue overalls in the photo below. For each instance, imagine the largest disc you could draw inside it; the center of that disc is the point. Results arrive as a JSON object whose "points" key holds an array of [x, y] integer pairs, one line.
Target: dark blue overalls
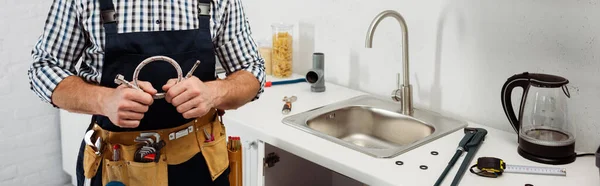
{"points": [[124, 51]]}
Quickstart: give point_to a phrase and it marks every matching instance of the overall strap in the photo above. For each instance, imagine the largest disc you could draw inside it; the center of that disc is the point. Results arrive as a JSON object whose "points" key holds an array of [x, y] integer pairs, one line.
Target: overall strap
{"points": [[204, 7], [107, 16]]}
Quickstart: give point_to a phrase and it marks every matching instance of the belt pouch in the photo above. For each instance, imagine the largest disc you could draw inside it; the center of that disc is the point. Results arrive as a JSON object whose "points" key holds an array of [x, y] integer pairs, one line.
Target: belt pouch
{"points": [[215, 152], [91, 162], [129, 172]]}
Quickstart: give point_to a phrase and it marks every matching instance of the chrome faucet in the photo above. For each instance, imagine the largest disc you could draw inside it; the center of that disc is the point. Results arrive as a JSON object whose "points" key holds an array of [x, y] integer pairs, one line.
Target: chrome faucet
{"points": [[403, 93]]}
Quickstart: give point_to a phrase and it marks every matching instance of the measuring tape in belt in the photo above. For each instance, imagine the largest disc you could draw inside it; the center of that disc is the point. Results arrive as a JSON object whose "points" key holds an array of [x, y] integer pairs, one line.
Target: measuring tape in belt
{"points": [[493, 167]]}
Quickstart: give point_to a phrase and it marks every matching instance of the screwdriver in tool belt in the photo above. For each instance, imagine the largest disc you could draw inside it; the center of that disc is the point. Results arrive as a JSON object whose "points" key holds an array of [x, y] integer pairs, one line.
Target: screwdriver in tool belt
{"points": [[116, 155], [234, 143], [209, 137]]}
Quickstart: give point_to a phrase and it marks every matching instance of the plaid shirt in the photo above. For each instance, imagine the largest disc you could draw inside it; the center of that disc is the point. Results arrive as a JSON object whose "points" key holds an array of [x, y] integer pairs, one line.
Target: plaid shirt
{"points": [[73, 33]]}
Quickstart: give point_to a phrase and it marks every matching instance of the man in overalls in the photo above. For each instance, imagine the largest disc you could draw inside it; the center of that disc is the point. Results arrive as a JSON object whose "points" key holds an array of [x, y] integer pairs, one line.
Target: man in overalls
{"points": [[112, 37]]}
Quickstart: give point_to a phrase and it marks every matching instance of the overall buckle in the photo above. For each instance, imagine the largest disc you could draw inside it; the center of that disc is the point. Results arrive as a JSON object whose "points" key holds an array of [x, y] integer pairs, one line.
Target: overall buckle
{"points": [[108, 16]]}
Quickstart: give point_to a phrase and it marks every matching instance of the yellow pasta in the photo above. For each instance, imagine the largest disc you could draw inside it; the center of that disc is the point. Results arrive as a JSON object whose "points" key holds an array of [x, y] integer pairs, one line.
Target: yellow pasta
{"points": [[282, 55]]}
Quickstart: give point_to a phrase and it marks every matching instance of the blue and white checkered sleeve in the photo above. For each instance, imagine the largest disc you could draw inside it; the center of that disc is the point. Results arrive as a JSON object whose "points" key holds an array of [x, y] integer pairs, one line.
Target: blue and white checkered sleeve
{"points": [[235, 47], [57, 50]]}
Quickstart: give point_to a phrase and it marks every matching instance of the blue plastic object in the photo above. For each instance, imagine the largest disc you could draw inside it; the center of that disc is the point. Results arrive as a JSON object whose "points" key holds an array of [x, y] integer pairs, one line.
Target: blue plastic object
{"points": [[115, 183], [284, 82]]}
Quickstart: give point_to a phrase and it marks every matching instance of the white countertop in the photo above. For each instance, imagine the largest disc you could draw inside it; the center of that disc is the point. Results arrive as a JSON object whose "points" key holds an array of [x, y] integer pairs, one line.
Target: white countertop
{"points": [[263, 119]]}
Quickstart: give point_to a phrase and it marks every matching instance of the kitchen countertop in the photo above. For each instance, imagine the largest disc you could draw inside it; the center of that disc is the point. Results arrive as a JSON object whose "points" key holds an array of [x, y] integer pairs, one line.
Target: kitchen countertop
{"points": [[263, 119]]}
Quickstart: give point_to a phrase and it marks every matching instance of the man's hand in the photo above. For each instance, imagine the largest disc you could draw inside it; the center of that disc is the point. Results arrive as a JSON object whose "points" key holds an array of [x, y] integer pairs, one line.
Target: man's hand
{"points": [[125, 106], [192, 97]]}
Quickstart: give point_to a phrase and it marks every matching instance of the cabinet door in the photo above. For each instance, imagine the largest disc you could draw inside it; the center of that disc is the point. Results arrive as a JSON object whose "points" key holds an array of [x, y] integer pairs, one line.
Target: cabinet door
{"points": [[292, 170], [253, 162], [252, 153], [259, 166]]}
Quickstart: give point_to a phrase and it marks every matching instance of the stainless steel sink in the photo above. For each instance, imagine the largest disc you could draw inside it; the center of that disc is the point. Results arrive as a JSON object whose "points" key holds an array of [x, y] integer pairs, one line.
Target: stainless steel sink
{"points": [[374, 126]]}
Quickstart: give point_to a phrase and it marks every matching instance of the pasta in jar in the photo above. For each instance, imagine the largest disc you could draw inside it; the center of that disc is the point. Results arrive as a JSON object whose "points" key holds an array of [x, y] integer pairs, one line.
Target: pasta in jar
{"points": [[282, 53]]}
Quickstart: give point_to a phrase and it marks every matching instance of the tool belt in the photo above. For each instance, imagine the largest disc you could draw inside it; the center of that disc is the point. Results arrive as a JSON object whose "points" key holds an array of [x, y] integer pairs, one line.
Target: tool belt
{"points": [[180, 144]]}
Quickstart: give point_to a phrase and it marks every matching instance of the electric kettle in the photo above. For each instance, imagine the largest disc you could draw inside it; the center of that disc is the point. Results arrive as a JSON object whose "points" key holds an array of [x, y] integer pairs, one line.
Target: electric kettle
{"points": [[545, 135]]}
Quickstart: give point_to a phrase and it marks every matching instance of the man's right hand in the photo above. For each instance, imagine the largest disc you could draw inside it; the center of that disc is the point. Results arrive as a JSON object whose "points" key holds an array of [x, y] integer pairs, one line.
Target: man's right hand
{"points": [[125, 106]]}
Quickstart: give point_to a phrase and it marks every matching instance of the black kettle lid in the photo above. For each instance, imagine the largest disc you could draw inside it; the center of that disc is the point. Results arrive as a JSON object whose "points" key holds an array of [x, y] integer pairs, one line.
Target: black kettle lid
{"points": [[546, 80]]}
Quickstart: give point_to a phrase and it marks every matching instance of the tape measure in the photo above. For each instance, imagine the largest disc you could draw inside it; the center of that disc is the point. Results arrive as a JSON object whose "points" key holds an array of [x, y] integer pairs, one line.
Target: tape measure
{"points": [[494, 167]]}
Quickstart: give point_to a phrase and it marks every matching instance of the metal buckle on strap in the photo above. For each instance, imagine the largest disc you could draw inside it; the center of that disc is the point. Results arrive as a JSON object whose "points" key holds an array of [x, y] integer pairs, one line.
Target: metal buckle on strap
{"points": [[203, 9], [108, 16], [181, 133]]}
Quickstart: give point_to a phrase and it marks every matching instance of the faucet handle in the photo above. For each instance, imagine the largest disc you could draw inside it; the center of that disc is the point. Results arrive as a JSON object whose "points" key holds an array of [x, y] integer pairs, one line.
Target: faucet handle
{"points": [[397, 95], [398, 80]]}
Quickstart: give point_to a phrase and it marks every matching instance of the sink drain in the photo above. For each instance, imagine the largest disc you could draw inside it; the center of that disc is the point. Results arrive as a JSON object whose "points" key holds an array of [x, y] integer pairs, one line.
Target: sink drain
{"points": [[331, 116]]}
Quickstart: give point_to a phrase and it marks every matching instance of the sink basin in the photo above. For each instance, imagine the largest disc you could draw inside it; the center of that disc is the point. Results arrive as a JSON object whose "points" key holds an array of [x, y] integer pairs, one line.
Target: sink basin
{"points": [[374, 126], [370, 127]]}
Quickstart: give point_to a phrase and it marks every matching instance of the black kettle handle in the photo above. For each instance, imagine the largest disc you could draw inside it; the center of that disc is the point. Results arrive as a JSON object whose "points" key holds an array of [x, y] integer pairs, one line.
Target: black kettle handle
{"points": [[519, 80]]}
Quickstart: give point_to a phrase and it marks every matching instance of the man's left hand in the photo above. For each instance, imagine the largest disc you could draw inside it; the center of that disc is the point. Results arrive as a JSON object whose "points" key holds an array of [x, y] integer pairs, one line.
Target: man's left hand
{"points": [[192, 97]]}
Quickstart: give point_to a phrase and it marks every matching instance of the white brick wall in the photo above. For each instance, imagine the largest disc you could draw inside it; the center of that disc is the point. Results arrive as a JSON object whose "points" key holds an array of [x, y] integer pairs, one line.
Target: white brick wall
{"points": [[29, 129], [461, 52]]}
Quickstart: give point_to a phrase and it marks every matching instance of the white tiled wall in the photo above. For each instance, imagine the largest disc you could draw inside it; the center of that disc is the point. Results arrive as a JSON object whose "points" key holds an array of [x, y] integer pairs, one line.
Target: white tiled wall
{"points": [[29, 130], [461, 51]]}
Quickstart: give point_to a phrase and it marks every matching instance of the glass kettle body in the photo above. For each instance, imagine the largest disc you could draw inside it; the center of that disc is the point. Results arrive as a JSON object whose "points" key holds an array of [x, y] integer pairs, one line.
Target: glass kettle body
{"points": [[545, 135]]}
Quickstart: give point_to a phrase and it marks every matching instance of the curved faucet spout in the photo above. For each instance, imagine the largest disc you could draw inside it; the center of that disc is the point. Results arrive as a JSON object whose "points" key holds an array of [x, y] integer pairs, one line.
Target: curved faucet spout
{"points": [[405, 89]]}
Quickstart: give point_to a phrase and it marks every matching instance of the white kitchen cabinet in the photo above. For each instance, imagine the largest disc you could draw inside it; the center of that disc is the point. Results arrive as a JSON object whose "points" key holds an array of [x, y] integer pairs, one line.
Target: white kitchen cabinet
{"points": [[252, 153], [290, 170]]}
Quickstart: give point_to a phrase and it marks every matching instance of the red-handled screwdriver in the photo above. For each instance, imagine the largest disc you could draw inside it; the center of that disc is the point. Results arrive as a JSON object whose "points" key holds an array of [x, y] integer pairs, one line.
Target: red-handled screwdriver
{"points": [[116, 155]]}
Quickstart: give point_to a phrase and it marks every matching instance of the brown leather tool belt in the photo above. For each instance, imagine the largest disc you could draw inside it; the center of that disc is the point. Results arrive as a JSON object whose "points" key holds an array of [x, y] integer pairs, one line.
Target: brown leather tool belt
{"points": [[180, 144]]}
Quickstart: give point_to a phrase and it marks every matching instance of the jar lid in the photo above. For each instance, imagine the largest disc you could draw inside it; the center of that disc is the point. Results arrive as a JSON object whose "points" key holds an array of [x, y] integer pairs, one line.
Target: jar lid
{"points": [[264, 43], [282, 25]]}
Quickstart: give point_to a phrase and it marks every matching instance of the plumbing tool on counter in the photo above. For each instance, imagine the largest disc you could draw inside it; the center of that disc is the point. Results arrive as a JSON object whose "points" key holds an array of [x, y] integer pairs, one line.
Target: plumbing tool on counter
{"points": [[493, 167], [470, 143], [316, 75], [287, 107]]}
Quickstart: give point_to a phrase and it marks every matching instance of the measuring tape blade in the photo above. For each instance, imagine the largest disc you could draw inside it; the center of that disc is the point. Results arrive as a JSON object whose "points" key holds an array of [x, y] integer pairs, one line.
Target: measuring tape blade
{"points": [[535, 170], [494, 167]]}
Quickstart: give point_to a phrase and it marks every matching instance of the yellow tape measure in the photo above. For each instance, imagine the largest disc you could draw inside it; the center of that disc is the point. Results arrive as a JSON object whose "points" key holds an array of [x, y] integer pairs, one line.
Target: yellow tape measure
{"points": [[494, 167], [489, 167]]}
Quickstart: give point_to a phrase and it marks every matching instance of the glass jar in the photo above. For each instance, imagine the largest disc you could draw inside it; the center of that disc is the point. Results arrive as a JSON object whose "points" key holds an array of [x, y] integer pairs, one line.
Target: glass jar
{"points": [[265, 49], [282, 51]]}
